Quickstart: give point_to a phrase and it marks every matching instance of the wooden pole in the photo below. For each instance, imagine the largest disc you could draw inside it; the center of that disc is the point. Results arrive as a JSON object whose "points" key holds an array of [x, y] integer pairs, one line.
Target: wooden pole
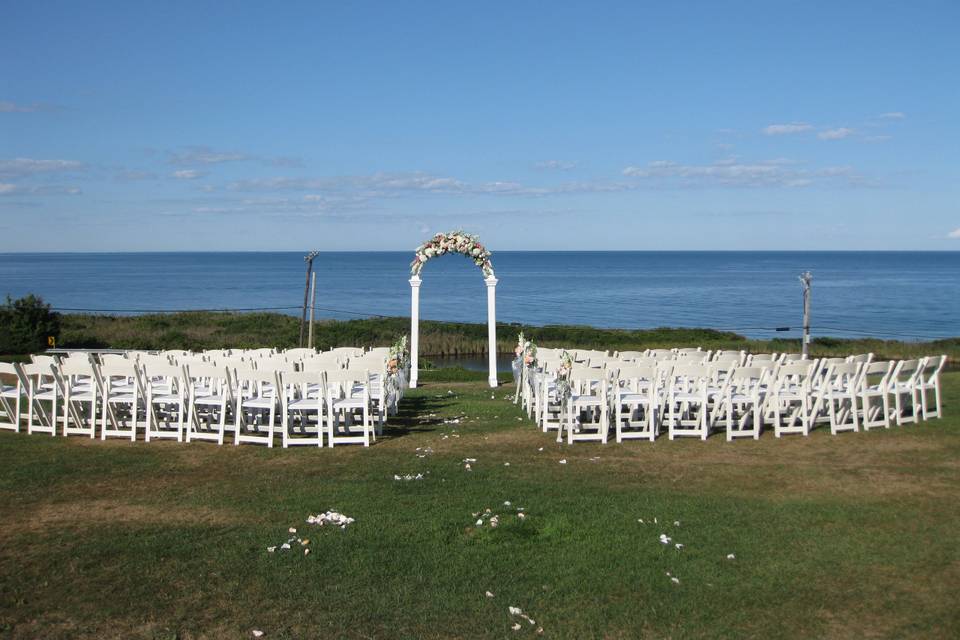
{"points": [[805, 280], [313, 303], [306, 291]]}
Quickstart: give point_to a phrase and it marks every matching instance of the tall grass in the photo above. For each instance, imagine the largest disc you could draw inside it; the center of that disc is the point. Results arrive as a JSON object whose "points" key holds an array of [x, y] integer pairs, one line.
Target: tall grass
{"points": [[213, 330]]}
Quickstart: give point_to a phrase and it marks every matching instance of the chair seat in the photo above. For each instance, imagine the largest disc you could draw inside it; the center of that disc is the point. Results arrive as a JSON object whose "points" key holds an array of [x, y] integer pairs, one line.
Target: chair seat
{"points": [[259, 402], [349, 403], [9, 392], [121, 398], [686, 397], [209, 400], [165, 398], [306, 403], [585, 399], [634, 398]]}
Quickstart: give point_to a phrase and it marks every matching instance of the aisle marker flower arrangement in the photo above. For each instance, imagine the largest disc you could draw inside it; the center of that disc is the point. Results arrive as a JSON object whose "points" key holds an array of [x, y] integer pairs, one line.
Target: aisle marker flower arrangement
{"points": [[453, 242], [525, 357]]}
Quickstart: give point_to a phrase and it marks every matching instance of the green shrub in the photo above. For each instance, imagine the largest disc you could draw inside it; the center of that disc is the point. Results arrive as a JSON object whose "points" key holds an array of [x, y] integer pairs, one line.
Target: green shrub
{"points": [[25, 325]]}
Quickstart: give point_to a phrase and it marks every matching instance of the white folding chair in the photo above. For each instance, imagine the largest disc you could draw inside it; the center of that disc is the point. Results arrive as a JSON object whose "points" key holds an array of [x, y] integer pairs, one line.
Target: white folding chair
{"points": [[636, 399], [79, 390], [348, 400], [842, 385], [587, 406], [874, 395], [257, 406], [929, 380], [789, 400], [687, 411], [121, 389], [167, 393], [905, 388], [303, 396], [42, 387], [210, 399], [12, 396], [741, 402]]}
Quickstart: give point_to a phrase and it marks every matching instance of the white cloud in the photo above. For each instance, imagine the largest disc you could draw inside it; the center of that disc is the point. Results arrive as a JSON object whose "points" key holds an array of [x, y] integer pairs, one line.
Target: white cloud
{"points": [[836, 134], [17, 167], [559, 165], [205, 155], [187, 174], [6, 106], [7, 189], [893, 115], [954, 234], [782, 129], [778, 172]]}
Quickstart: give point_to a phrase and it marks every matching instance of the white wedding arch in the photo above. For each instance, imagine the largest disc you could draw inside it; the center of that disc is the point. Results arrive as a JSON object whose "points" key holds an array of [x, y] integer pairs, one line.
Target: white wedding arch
{"points": [[469, 246]]}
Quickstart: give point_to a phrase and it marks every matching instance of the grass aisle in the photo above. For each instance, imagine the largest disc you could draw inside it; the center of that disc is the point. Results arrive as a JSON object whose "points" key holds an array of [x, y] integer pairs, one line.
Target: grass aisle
{"points": [[854, 535]]}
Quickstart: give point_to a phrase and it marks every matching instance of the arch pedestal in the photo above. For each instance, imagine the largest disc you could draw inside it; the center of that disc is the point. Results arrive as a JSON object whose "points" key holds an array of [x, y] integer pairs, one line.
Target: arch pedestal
{"points": [[415, 283]]}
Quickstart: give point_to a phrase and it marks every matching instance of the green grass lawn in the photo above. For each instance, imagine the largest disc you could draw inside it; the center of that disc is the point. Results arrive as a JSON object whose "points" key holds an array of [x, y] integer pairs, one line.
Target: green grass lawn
{"points": [[834, 536]]}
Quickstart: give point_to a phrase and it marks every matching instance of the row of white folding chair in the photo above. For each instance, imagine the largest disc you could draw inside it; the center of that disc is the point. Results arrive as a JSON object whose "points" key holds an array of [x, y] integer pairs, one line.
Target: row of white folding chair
{"points": [[122, 393]]}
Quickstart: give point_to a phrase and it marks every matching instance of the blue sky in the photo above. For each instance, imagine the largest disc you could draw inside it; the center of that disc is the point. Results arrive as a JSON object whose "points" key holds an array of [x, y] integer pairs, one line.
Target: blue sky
{"points": [[550, 125]]}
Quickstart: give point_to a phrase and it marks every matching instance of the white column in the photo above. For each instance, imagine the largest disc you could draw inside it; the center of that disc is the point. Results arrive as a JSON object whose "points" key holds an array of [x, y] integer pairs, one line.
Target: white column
{"points": [[414, 330], [492, 326]]}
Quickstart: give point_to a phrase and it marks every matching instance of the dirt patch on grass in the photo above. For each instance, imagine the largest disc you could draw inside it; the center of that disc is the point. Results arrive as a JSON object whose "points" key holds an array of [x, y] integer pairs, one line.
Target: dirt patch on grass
{"points": [[103, 511]]}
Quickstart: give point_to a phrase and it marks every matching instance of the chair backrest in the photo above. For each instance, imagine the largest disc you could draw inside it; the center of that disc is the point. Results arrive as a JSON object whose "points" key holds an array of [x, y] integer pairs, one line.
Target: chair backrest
{"points": [[727, 355], [323, 362], [157, 373], [300, 353], [661, 354], [342, 382], [757, 359], [349, 352], [907, 371], [932, 367], [844, 375], [864, 358], [37, 373], [46, 361], [688, 350], [791, 357], [637, 377], [876, 373], [627, 356]]}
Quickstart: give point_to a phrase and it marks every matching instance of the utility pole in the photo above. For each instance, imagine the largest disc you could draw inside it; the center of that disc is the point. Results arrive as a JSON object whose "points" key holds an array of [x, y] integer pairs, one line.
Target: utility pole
{"points": [[313, 304], [805, 279], [306, 291]]}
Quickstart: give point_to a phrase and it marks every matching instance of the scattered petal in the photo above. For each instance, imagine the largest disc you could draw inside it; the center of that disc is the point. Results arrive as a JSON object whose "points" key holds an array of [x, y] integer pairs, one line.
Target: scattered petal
{"points": [[306, 552], [488, 594], [515, 611], [676, 523], [540, 449], [506, 464], [506, 503], [522, 515], [675, 580], [678, 546], [480, 522], [516, 626], [730, 556], [257, 633], [292, 530], [271, 549], [285, 545], [564, 461]]}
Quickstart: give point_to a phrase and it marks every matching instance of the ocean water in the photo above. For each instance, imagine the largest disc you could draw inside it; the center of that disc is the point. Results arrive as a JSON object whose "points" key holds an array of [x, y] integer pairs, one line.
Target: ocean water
{"points": [[904, 295]]}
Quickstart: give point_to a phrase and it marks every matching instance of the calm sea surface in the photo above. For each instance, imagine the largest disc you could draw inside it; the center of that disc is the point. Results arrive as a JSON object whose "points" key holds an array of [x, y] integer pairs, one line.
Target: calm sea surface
{"points": [[886, 294]]}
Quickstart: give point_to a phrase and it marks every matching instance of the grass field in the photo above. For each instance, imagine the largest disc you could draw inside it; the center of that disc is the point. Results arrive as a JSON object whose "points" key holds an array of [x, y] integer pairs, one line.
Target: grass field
{"points": [[844, 536]]}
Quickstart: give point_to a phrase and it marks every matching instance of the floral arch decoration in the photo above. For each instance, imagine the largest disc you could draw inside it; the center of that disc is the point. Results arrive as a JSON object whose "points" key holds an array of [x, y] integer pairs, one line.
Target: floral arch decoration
{"points": [[453, 242]]}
